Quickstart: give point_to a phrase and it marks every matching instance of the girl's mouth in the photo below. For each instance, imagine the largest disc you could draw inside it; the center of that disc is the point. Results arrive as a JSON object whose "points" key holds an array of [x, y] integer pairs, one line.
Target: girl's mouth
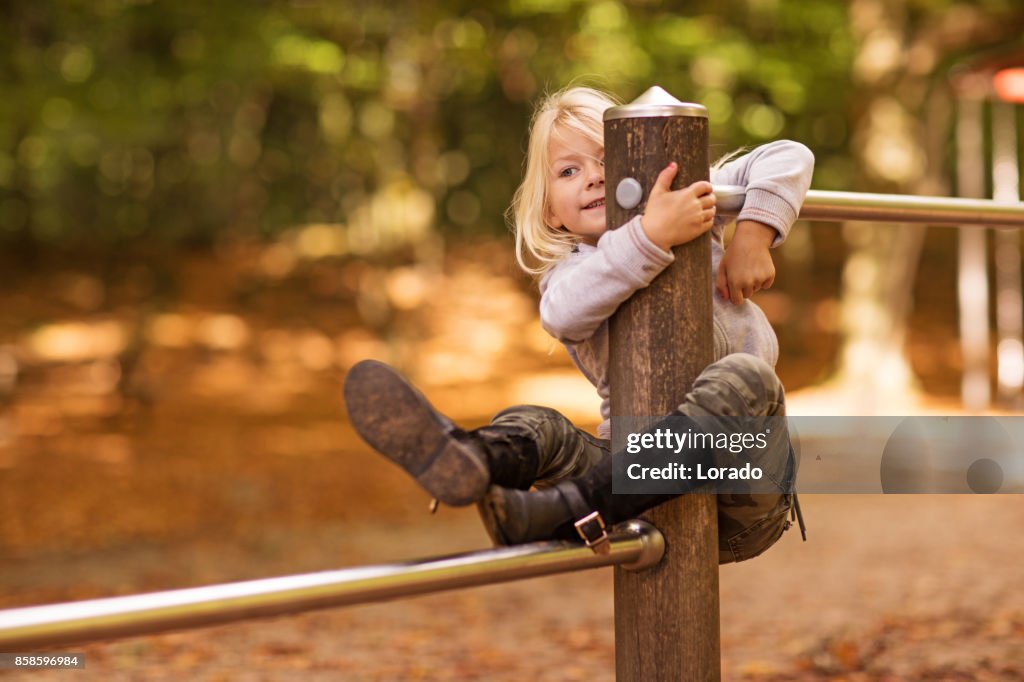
{"points": [[594, 204]]}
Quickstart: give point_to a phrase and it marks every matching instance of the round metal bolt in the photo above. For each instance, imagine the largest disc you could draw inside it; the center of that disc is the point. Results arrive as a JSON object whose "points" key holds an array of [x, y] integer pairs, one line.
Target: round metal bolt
{"points": [[629, 193], [652, 544]]}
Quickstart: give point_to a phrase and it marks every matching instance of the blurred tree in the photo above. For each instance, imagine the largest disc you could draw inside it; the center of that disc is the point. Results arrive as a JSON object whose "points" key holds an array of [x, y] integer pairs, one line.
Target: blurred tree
{"points": [[902, 130], [383, 124], [127, 121]]}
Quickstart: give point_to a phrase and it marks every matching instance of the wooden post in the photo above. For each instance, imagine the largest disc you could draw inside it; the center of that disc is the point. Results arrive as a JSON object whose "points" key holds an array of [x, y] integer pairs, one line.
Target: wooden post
{"points": [[666, 617]]}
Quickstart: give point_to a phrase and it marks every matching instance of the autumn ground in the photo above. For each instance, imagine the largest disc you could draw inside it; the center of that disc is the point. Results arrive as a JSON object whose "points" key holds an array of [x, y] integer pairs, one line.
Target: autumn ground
{"points": [[201, 439]]}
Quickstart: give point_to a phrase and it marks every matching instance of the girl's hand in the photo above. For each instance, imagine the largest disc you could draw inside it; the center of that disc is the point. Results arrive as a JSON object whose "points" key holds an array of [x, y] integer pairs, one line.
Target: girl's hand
{"points": [[747, 264], [676, 217]]}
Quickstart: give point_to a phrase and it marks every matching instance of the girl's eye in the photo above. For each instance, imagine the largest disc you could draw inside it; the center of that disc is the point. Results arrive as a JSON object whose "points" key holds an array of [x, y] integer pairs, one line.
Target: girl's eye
{"points": [[566, 172]]}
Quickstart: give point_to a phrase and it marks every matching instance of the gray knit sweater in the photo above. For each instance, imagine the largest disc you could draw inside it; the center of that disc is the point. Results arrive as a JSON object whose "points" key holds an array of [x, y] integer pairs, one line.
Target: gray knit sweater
{"points": [[580, 293]]}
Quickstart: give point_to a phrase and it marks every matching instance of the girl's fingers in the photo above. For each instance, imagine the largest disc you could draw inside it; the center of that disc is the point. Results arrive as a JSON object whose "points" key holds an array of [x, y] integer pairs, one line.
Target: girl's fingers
{"points": [[702, 188], [722, 283], [665, 177]]}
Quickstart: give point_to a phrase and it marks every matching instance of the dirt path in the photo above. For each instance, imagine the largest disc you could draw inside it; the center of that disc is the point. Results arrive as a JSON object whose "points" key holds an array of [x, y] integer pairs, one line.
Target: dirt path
{"points": [[228, 459], [888, 587]]}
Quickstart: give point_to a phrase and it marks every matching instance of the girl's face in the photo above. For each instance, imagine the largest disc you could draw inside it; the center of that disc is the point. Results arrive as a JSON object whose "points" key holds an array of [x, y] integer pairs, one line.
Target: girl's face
{"points": [[576, 185]]}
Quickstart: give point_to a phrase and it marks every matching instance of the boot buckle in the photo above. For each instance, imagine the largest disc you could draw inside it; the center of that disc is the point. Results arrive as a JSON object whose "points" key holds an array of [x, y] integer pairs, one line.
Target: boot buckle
{"points": [[591, 529]]}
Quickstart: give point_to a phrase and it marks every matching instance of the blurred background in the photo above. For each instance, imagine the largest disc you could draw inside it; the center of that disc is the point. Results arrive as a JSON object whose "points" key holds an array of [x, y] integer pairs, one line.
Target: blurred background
{"points": [[208, 212]]}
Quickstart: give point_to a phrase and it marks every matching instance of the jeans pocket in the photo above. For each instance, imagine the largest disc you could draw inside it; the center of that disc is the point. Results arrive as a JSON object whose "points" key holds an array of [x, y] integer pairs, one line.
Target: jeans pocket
{"points": [[759, 535]]}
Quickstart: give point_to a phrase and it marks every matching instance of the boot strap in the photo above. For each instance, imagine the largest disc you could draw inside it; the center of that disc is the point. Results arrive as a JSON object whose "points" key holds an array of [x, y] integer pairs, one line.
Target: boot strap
{"points": [[589, 523]]}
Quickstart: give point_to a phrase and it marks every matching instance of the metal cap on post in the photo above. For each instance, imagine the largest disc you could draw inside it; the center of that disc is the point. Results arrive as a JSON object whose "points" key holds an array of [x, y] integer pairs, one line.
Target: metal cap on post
{"points": [[656, 102], [667, 617]]}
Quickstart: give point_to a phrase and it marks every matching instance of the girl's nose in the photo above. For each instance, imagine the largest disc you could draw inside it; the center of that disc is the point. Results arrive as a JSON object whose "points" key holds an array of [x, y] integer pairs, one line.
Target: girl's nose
{"points": [[596, 176]]}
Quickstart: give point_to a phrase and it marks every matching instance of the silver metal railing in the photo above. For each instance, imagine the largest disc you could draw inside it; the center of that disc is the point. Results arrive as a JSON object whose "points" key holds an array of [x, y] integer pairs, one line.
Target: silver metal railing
{"points": [[902, 208], [635, 545], [893, 208]]}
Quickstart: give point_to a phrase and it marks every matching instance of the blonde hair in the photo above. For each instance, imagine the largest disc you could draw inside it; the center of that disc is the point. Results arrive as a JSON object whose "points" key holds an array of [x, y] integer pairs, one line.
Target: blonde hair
{"points": [[579, 109]]}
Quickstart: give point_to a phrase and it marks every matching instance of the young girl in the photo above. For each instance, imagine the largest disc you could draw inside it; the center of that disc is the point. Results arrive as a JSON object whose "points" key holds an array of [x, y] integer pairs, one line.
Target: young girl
{"points": [[586, 272]]}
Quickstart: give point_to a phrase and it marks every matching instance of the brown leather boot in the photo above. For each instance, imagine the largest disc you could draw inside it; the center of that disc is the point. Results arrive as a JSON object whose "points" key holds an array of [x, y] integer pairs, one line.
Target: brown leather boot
{"points": [[570, 510], [454, 466], [398, 422], [511, 517]]}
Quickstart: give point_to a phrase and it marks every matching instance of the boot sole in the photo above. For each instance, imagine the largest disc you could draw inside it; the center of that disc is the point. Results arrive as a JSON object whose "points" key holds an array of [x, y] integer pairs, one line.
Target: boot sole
{"points": [[398, 422]]}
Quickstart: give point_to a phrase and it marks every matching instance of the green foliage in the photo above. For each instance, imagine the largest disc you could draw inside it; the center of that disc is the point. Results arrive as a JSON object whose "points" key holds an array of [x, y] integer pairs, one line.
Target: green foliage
{"points": [[123, 120]]}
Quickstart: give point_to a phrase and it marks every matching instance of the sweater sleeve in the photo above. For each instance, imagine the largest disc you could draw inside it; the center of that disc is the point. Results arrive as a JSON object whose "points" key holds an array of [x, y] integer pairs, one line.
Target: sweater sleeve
{"points": [[777, 176], [583, 291]]}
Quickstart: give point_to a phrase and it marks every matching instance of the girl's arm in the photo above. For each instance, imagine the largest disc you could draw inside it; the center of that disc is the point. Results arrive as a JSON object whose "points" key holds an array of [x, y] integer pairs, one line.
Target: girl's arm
{"points": [[747, 266], [583, 291], [777, 177]]}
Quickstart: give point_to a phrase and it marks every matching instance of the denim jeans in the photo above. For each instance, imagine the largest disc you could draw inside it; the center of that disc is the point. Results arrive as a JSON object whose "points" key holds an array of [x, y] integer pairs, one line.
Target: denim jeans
{"points": [[738, 385]]}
